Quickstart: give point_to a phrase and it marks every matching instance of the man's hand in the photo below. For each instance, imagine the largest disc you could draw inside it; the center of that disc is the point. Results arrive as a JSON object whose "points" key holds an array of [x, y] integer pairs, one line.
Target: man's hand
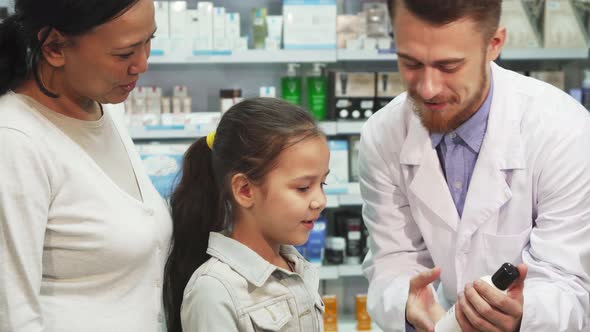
{"points": [[483, 308], [422, 310]]}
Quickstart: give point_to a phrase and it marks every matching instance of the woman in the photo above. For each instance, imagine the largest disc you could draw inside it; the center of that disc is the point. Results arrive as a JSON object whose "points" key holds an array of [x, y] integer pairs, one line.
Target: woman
{"points": [[83, 233]]}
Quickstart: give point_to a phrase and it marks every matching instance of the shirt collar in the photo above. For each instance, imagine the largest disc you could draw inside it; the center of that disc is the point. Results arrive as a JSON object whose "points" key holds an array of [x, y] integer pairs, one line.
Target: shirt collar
{"points": [[473, 130], [255, 269]]}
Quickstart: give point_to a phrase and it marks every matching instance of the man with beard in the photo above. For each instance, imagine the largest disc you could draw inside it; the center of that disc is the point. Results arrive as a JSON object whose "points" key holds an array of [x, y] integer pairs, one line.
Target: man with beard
{"points": [[474, 166]]}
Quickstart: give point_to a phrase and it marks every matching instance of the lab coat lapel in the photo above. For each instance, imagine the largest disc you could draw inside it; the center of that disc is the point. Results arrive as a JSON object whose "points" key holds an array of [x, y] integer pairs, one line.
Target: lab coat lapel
{"points": [[428, 184], [501, 153]]}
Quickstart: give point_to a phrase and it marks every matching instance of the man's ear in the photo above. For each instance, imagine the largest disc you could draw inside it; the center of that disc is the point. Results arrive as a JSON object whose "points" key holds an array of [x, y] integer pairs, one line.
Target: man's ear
{"points": [[496, 44], [53, 47], [242, 190]]}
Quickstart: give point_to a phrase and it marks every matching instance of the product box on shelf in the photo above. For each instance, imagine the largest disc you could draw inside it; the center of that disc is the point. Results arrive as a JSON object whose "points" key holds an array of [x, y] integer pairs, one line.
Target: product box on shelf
{"points": [[160, 45], [353, 156], [347, 28], [309, 24], [351, 95], [389, 86], [163, 163], [314, 248], [338, 179], [180, 30]]}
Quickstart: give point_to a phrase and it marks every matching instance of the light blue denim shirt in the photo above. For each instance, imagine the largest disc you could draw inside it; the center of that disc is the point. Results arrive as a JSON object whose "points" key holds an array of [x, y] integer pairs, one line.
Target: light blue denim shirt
{"points": [[237, 290], [458, 151]]}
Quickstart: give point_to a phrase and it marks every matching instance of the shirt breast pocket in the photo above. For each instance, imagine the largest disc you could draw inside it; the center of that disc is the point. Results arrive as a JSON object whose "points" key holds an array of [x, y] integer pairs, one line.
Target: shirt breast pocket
{"points": [[271, 315]]}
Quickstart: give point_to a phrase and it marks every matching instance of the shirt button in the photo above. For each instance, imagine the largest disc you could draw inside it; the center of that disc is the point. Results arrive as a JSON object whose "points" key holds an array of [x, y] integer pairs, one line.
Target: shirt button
{"points": [[452, 134], [458, 184]]}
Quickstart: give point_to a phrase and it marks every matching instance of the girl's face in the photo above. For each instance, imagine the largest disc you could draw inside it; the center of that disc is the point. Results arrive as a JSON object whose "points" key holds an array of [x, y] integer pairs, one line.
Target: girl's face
{"points": [[292, 195]]}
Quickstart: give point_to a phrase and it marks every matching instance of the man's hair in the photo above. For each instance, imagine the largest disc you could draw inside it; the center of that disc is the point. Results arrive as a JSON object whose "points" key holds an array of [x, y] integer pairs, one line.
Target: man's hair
{"points": [[441, 12]]}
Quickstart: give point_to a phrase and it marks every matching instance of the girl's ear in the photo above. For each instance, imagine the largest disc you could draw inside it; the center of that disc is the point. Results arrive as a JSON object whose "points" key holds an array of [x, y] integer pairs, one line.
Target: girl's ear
{"points": [[242, 190]]}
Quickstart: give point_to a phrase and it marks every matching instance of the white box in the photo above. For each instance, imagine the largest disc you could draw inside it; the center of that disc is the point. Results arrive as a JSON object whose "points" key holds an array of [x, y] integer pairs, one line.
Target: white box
{"points": [[275, 29], [219, 41], [205, 39], [240, 44], [338, 162], [162, 16], [384, 43], [192, 17], [221, 44], [309, 24], [178, 19], [370, 44], [271, 44], [354, 44], [232, 26], [268, 91], [219, 18]]}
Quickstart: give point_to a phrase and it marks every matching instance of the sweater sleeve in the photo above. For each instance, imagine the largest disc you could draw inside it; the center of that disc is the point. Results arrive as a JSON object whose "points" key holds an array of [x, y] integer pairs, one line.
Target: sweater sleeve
{"points": [[25, 197]]}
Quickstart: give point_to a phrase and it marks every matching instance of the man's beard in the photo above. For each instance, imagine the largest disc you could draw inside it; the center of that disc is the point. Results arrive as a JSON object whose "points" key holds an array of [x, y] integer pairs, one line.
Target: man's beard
{"points": [[441, 121]]}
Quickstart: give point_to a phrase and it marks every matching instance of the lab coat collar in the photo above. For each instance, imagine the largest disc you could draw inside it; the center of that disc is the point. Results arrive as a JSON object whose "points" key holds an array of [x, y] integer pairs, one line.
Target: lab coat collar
{"points": [[501, 151]]}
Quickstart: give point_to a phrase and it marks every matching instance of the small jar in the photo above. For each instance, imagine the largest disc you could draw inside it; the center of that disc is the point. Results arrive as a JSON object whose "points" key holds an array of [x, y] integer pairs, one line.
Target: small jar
{"points": [[335, 250]]}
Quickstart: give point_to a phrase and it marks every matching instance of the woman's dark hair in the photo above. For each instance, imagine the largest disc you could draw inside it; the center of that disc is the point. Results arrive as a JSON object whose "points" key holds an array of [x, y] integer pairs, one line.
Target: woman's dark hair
{"points": [[441, 12], [23, 33], [248, 140]]}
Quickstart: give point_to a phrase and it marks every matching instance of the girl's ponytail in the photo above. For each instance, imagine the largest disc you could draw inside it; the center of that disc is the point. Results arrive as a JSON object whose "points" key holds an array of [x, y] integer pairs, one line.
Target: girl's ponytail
{"points": [[197, 209]]}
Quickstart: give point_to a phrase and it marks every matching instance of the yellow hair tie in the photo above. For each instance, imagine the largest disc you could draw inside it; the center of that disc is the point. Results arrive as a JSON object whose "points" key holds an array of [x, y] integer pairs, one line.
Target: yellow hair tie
{"points": [[210, 139]]}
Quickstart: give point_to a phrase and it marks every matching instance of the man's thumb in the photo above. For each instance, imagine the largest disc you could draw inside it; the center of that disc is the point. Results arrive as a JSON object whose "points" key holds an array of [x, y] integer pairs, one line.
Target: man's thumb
{"points": [[424, 279]]}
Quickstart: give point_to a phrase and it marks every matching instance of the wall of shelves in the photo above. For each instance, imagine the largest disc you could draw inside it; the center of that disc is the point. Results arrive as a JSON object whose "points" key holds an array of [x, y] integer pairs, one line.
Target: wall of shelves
{"points": [[334, 56]]}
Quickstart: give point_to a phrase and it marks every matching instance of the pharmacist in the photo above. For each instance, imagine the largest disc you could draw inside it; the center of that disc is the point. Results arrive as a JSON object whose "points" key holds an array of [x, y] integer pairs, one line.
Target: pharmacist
{"points": [[474, 166]]}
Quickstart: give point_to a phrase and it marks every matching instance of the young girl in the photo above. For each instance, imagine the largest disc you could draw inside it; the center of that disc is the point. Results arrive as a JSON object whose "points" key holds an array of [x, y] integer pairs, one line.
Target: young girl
{"points": [[247, 194]]}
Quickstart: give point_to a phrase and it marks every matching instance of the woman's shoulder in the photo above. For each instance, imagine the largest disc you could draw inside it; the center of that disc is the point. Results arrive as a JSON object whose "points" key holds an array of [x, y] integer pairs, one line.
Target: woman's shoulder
{"points": [[16, 115]]}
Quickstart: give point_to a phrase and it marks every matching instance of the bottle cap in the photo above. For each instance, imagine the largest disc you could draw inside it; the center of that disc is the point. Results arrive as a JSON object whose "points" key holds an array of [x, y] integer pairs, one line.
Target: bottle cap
{"points": [[505, 276]]}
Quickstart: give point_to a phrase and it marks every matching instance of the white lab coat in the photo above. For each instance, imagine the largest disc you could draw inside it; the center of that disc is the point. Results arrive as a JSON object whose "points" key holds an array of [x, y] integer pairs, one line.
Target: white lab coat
{"points": [[528, 201]]}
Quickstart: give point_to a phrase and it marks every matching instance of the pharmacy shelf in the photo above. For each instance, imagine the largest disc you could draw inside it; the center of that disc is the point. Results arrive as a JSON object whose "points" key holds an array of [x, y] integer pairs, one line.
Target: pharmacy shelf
{"points": [[545, 54], [343, 55], [330, 128], [249, 56], [335, 201], [170, 132], [331, 272], [365, 55]]}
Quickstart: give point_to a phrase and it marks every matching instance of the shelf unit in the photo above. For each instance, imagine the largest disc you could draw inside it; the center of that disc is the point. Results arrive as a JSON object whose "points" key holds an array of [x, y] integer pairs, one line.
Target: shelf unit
{"points": [[343, 55], [330, 128], [249, 56], [545, 54], [330, 272]]}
